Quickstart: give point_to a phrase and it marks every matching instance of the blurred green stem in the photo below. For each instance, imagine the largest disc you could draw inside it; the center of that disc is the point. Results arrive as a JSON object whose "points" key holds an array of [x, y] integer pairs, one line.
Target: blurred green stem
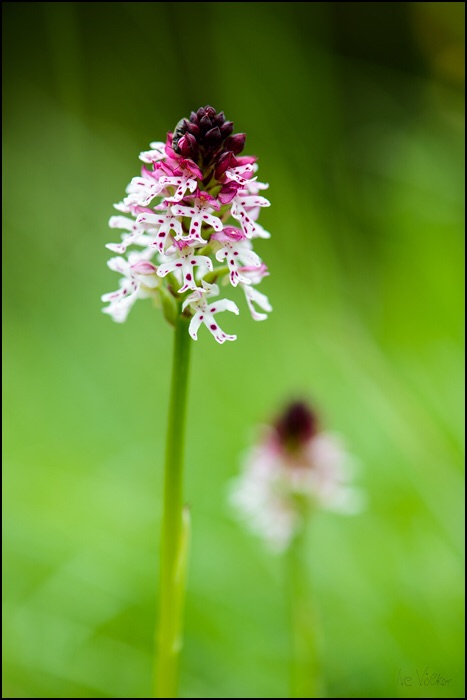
{"points": [[305, 674], [175, 524]]}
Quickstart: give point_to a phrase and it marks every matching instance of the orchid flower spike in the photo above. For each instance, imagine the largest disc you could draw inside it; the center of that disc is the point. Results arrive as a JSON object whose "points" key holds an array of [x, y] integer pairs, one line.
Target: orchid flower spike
{"points": [[293, 469], [190, 220]]}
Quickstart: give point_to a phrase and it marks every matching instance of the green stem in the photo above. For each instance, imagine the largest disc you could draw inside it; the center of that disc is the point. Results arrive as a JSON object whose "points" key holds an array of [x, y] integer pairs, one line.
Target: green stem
{"points": [[175, 524], [306, 679]]}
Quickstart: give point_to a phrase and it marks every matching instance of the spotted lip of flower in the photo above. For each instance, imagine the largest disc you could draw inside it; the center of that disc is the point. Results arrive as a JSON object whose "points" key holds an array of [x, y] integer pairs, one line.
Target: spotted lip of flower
{"points": [[294, 469], [182, 212], [185, 265], [245, 210], [237, 252], [204, 313]]}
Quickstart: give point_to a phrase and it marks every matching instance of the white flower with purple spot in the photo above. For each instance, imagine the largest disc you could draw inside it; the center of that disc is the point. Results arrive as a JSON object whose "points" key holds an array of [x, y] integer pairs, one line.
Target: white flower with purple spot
{"points": [[241, 174], [237, 252], [142, 190], [183, 265], [204, 313], [182, 183], [200, 214], [165, 221], [245, 208]]}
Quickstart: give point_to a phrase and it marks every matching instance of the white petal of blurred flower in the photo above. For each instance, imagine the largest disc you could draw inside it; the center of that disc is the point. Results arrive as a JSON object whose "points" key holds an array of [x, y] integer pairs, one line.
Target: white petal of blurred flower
{"points": [[294, 470]]}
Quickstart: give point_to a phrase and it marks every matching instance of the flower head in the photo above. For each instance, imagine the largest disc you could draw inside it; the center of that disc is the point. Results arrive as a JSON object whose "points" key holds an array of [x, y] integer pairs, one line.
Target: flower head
{"points": [[293, 469], [194, 205]]}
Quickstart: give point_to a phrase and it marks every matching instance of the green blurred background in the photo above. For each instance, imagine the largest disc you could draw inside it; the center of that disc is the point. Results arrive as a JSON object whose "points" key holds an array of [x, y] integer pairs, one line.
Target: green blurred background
{"points": [[356, 113]]}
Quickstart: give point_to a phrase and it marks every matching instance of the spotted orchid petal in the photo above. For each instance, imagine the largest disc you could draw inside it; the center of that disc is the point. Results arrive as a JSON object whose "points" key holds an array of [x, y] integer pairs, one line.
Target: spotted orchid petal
{"points": [[182, 183], [199, 215], [183, 265], [240, 174], [241, 210], [142, 191], [165, 222], [238, 254], [204, 313]]}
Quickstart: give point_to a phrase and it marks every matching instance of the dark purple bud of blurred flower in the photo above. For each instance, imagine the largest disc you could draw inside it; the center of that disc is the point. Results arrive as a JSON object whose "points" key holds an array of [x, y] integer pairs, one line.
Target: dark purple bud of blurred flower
{"points": [[296, 426]]}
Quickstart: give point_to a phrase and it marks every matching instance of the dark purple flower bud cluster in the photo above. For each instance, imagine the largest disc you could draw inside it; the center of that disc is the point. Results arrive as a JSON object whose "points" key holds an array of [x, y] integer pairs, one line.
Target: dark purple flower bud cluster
{"points": [[206, 138]]}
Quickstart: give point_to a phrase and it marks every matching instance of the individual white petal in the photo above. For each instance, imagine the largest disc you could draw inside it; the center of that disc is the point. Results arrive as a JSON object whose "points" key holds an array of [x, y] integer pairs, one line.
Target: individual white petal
{"points": [[253, 186], [249, 257], [119, 248], [150, 218], [157, 153], [183, 184], [111, 296], [223, 305], [162, 237], [119, 313], [121, 222], [158, 146], [247, 224], [195, 323], [238, 174], [141, 191], [260, 232], [165, 268], [213, 221], [202, 261], [118, 265], [216, 331], [188, 282], [221, 337], [121, 206], [253, 296], [180, 210], [253, 201], [127, 239]]}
